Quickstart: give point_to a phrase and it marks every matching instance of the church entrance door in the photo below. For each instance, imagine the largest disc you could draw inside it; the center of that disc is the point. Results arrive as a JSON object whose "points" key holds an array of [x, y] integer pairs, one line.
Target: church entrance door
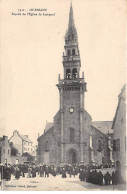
{"points": [[72, 157]]}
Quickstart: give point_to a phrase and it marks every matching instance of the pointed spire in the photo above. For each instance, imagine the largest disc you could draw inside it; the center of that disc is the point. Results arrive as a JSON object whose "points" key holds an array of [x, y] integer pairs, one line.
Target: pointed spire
{"points": [[71, 34], [71, 19]]}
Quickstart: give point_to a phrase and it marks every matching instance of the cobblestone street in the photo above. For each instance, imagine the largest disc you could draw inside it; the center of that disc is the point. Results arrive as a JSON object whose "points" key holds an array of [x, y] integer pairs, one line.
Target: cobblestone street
{"points": [[53, 184]]}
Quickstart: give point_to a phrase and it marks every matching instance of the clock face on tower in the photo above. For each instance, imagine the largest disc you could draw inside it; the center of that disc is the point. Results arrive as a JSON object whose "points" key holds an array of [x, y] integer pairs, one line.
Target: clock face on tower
{"points": [[71, 109]]}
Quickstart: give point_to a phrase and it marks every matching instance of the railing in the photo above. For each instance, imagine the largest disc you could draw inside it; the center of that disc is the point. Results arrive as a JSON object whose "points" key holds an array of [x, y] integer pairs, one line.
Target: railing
{"points": [[71, 58], [71, 81]]}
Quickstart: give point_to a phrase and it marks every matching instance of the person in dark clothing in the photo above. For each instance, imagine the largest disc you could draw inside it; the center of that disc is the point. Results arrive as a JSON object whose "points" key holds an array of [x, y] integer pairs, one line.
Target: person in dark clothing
{"points": [[41, 171], [70, 171], [12, 168], [37, 168], [118, 178], [33, 172], [6, 173], [100, 178], [92, 177], [24, 170], [113, 178], [64, 173], [81, 175], [74, 172], [17, 173], [95, 177], [46, 171], [88, 175], [107, 178], [84, 175], [54, 171]]}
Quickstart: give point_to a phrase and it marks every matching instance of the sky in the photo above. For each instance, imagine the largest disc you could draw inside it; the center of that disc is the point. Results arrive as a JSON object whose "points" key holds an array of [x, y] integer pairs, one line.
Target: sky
{"points": [[31, 59]]}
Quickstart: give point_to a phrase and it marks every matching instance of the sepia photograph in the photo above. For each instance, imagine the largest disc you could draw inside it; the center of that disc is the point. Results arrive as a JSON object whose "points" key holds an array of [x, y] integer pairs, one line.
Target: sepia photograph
{"points": [[63, 95]]}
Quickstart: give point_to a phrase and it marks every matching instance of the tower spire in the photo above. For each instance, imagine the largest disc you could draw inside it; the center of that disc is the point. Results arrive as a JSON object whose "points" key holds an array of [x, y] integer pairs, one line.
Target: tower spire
{"points": [[71, 19], [71, 33]]}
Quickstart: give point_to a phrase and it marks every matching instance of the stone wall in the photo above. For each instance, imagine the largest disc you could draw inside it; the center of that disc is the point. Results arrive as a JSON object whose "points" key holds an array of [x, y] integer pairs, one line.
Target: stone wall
{"points": [[119, 127], [47, 147], [71, 98], [86, 136], [100, 154]]}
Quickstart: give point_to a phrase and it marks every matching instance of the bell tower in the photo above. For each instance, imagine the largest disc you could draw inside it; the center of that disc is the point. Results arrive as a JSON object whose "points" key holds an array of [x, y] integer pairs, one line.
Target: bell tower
{"points": [[71, 56], [71, 90]]}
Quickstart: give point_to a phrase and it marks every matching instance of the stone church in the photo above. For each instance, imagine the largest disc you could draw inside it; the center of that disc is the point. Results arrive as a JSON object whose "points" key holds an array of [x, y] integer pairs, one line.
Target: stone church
{"points": [[73, 137]]}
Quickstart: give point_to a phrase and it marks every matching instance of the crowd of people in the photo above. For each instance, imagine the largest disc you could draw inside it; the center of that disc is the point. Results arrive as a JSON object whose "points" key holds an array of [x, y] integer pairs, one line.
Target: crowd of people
{"points": [[95, 177], [92, 174]]}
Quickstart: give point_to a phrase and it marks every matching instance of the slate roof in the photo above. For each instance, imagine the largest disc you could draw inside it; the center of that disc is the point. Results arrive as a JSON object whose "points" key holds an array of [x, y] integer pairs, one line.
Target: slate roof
{"points": [[122, 93], [48, 126], [103, 126], [25, 138], [121, 96]]}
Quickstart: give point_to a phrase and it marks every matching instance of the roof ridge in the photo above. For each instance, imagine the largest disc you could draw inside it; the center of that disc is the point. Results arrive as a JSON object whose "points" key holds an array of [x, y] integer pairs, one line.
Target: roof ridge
{"points": [[23, 137]]}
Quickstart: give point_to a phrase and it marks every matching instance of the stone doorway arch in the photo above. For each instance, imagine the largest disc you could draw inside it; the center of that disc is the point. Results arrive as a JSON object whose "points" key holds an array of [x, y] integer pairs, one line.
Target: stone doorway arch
{"points": [[72, 156]]}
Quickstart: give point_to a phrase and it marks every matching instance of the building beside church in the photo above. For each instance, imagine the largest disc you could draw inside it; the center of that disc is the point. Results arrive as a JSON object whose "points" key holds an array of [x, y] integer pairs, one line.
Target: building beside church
{"points": [[73, 137], [119, 135], [18, 149], [22, 148], [5, 150], [22, 142]]}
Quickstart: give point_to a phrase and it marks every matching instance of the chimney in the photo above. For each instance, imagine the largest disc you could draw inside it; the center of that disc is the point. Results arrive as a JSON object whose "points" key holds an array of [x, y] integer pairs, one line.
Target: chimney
{"points": [[5, 138], [15, 132]]}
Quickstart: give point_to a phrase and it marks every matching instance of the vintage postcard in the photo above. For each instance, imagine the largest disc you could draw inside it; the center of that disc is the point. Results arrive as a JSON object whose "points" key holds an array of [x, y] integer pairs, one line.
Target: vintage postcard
{"points": [[62, 95]]}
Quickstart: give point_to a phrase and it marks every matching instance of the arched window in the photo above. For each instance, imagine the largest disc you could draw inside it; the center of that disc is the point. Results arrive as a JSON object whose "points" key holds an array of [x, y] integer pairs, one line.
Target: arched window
{"points": [[73, 51], [74, 73], [68, 74], [99, 145], [71, 135], [68, 52]]}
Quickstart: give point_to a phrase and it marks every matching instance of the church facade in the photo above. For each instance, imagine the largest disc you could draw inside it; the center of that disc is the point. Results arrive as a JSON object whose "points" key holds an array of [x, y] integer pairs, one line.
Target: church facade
{"points": [[73, 137]]}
